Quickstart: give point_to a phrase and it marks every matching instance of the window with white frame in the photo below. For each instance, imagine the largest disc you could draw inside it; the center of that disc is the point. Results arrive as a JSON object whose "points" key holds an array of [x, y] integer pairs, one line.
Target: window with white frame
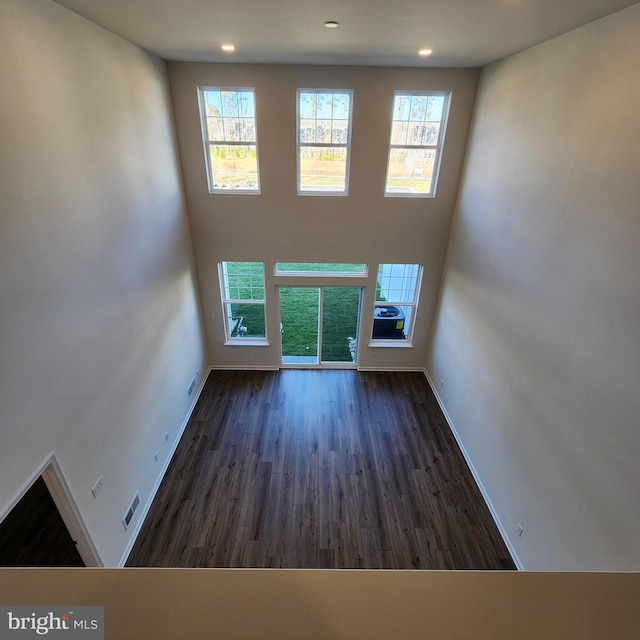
{"points": [[243, 301], [230, 138], [321, 268], [397, 291], [324, 141], [418, 126]]}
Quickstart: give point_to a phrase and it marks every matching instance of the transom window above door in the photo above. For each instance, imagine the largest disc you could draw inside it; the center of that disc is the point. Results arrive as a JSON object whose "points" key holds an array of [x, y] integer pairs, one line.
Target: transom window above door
{"points": [[320, 268]]}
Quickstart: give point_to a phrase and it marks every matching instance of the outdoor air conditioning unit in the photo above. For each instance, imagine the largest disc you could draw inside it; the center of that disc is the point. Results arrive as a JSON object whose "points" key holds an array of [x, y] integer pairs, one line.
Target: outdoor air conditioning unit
{"points": [[388, 322]]}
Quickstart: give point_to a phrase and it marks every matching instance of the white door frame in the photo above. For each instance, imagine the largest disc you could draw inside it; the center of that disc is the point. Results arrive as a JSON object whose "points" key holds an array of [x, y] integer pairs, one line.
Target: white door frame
{"points": [[320, 364], [51, 473], [57, 485]]}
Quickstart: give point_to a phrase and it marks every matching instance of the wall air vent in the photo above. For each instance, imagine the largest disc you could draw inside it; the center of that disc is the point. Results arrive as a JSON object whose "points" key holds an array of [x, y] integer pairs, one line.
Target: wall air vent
{"points": [[132, 509]]}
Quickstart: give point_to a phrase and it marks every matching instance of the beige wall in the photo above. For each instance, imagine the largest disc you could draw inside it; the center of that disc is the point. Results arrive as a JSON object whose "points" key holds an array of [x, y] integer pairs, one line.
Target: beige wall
{"points": [[271, 604], [99, 323], [538, 331], [278, 225]]}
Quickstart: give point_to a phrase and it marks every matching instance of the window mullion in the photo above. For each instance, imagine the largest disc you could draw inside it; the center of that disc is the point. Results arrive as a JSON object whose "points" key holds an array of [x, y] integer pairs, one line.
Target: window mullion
{"points": [[414, 146], [324, 145], [232, 143], [241, 301]]}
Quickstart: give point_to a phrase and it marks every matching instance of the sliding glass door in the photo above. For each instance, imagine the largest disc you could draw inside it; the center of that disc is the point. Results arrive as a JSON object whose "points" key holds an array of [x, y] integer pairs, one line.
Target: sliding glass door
{"points": [[299, 324], [319, 325], [340, 322]]}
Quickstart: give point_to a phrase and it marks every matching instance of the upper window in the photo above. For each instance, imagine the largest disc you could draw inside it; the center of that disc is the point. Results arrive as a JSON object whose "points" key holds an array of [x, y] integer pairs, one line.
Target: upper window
{"points": [[324, 141], [230, 139], [417, 135], [320, 268], [243, 300], [397, 290]]}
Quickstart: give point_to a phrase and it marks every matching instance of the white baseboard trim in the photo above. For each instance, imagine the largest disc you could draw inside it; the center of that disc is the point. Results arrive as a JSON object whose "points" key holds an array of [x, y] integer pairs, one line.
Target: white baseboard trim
{"points": [[475, 475], [143, 514], [236, 367], [401, 369], [233, 367]]}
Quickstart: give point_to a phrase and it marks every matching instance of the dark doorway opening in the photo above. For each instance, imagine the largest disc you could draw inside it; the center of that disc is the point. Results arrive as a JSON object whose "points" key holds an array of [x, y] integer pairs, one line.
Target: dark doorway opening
{"points": [[34, 535]]}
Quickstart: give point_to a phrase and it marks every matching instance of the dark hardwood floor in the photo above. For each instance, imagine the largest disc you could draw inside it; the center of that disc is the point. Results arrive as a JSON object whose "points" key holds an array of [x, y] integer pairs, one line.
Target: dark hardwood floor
{"points": [[319, 469]]}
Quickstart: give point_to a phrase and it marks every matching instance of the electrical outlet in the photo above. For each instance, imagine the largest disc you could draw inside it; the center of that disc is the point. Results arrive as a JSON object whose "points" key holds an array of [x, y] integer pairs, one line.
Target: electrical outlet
{"points": [[97, 487]]}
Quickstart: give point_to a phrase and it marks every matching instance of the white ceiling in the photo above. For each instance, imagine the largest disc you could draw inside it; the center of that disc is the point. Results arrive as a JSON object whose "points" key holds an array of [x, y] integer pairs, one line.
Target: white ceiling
{"points": [[371, 32]]}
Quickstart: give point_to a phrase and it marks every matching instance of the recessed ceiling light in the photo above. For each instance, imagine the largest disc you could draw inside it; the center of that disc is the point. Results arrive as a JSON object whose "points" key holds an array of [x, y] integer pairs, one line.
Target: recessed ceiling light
{"points": [[228, 48], [425, 52], [331, 24]]}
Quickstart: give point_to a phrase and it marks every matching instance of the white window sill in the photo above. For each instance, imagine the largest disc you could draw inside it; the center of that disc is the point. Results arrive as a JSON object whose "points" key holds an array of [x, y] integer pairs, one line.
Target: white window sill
{"points": [[236, 192], [323, 193], [249, 342], [401, 344], [392, 194]]}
